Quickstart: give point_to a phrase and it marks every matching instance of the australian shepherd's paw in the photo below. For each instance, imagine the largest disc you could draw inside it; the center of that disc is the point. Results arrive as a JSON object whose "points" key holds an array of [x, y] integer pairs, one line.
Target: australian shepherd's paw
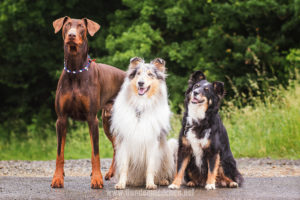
{"points": [[120, 186], [174, 187], [164, 182], [151, 186], [233, 185], [191, 184], [210, 186]]}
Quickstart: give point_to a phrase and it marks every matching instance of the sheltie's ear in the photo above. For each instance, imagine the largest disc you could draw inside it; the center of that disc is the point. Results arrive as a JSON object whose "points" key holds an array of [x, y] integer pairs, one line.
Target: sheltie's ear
{"points": [[159, 64], [219, 89], [135, 61], [196, 77]]}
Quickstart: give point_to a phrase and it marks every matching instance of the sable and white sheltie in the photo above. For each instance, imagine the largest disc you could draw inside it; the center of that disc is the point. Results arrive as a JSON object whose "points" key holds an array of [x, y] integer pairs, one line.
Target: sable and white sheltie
{"points": [[140, 124]]}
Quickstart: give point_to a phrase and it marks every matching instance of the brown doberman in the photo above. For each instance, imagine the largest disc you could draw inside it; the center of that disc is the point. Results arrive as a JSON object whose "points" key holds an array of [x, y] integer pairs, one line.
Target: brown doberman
{"points": [[83, 89]]}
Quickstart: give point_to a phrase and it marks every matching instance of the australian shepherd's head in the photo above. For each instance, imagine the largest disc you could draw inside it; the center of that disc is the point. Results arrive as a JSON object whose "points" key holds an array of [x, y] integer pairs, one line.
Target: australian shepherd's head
{"points": [[203, 97]]}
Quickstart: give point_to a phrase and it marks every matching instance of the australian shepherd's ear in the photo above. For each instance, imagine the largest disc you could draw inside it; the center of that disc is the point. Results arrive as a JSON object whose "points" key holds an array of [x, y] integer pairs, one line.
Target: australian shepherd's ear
{"points": [[196, 77], [134, 62], [219, 89], [160, 64]]}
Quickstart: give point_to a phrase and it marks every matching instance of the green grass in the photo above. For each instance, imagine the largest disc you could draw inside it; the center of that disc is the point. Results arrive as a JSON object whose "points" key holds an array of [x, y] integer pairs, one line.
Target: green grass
{"points": [[270, 129]]}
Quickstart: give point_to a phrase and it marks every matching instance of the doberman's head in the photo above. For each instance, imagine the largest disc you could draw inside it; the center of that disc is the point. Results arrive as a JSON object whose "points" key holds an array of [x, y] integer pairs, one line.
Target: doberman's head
{"points": [[74, 33]]}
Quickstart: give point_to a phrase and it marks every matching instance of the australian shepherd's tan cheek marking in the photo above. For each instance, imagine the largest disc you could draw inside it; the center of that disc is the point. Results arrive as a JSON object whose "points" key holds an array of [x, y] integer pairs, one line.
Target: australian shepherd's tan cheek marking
{"points": [[153, 88]]}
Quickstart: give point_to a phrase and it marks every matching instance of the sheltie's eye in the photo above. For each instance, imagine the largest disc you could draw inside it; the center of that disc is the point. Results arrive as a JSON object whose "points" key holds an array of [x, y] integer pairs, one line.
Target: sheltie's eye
{"points": [[151, 75], [206, 89], [139, 73]]}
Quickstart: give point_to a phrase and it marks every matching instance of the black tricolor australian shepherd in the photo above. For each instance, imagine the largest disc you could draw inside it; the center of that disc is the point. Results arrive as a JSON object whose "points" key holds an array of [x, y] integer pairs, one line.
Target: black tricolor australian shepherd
{"points": [[204, 155]]}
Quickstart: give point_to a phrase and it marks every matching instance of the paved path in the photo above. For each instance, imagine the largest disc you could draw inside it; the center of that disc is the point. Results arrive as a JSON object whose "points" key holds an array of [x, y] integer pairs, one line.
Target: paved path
{"points": [[79, 188]]}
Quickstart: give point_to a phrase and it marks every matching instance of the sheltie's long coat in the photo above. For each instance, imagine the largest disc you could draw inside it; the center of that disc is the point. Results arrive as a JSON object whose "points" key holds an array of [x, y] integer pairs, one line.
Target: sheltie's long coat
{"points": [[140, 123]]}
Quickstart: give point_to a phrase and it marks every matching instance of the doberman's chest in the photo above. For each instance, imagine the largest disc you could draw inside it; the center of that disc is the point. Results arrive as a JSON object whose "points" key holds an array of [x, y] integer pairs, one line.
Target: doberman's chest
{"points": [[74, 102]]}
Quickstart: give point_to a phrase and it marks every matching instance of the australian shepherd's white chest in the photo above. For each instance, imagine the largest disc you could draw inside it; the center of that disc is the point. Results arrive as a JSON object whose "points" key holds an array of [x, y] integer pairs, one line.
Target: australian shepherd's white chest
{"points": [[140, 123]]}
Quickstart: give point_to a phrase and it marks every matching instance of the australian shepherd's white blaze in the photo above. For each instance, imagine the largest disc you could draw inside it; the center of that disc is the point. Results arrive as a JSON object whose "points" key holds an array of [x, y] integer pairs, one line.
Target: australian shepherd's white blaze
{"points": [[140, 123]]}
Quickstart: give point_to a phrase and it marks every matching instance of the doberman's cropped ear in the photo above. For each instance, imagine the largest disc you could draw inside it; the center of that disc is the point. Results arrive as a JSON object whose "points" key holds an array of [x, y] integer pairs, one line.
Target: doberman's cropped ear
{"points": [[58, 24], [92, 26], [219, 88], [159, 64], [135, 61], [196, 77]]}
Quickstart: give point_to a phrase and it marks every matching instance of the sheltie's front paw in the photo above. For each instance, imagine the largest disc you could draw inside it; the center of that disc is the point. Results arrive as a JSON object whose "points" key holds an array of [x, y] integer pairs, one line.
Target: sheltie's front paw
{"points": [[120, 186], [174, 187], [164, 182], [210, 187], [151, 186]]}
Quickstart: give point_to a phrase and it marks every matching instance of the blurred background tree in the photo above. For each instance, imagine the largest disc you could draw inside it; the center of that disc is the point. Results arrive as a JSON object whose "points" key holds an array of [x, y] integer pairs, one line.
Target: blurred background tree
{"points": [[249, 45]]}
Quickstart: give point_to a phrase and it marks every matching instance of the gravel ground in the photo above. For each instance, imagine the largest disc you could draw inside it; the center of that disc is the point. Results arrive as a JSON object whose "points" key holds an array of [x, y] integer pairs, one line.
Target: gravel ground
{"points": [[249, 167]]}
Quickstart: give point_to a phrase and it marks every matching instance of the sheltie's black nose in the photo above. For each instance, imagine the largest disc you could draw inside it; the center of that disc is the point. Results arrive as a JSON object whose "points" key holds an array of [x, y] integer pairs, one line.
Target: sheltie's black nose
{"points": [[196, 93], [141, 83]]}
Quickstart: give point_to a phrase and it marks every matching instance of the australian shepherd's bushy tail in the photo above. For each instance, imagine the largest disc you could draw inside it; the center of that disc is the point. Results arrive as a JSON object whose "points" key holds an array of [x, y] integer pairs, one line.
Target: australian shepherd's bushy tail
{"points": [[140, 124]]}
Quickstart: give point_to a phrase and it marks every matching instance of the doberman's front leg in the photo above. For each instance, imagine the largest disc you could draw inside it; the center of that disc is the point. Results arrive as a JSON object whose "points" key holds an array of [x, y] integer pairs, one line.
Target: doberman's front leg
{"points": [[97, 180], [106, 116], [61, 131], [213, 166]]}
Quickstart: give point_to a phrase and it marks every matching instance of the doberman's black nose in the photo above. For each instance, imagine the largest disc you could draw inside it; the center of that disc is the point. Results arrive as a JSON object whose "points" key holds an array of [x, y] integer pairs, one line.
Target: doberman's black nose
{"points": [[141, 83], [72, 36]]}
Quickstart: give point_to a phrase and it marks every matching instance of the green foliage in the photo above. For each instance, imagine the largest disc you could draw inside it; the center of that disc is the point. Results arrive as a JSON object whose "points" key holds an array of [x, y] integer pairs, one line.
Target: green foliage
{"points": [[250, 45], [244, 44]]}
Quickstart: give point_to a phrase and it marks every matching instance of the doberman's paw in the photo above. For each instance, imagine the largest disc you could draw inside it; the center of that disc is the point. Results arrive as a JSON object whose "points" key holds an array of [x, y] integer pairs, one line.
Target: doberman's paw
{"points": [[96, 182], [174, 187], [57, 182], [109, 175], [120, 186], [151, 186], [210, 187]]}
